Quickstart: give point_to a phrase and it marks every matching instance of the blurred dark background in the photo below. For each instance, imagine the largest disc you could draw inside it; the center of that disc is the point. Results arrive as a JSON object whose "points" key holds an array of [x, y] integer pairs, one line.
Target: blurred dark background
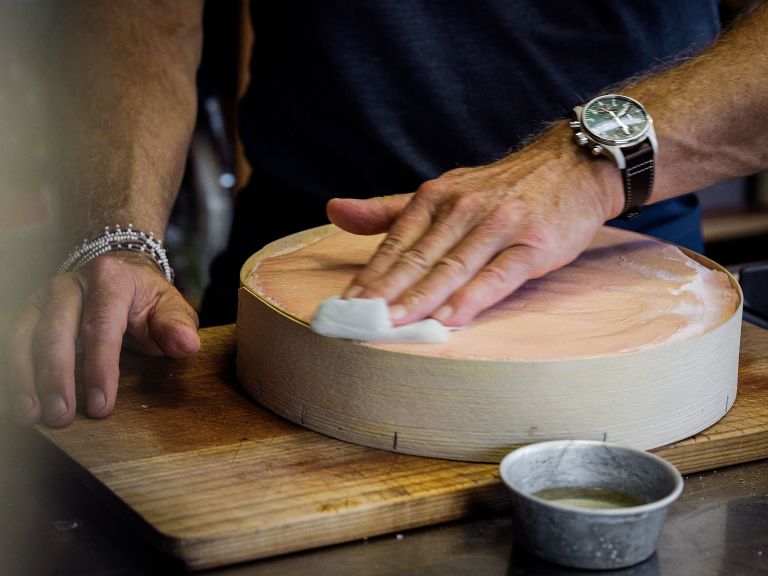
{"points": [[735, 212]]}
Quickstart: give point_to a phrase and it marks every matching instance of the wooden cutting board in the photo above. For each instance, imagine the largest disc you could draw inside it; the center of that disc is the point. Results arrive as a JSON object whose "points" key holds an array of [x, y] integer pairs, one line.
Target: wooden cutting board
{"points": [[212, 478]]}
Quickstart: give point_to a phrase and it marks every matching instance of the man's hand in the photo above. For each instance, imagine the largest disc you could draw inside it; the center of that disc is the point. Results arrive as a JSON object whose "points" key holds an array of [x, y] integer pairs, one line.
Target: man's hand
{"points": [[471, 237], [126, 139], [93, 309]]}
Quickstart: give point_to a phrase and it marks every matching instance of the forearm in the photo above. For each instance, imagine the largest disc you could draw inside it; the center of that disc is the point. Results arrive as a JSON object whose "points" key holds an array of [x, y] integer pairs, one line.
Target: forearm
{"points": [[474, 235], [124, 118], [131, 75], [710, 112]]}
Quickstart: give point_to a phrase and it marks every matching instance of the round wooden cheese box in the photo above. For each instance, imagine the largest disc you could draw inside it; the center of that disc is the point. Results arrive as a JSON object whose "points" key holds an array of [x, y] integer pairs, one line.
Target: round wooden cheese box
{"points": [[636, 342]]}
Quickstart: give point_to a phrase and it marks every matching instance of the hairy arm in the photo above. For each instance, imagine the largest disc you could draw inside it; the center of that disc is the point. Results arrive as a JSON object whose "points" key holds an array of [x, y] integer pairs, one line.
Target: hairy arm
{"points": [[710, 112], [133, 79], [130, 103], [469, 238]]}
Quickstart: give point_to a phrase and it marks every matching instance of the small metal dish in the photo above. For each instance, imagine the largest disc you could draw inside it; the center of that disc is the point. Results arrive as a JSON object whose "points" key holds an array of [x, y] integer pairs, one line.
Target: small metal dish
{"points": [[636, 486]]}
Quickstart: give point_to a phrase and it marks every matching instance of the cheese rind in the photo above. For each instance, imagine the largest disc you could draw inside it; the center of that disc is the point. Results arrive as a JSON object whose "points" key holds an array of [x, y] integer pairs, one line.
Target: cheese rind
{"points": [[625, 293]]}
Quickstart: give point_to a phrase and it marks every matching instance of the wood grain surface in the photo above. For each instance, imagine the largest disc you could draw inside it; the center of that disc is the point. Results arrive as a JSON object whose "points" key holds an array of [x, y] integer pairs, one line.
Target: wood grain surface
{"points": [[208, 476]]}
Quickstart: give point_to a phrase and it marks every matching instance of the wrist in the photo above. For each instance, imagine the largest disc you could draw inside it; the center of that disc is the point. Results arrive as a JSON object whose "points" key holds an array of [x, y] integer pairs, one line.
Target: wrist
{"points": [[587, 175], [619, 128], [605, 180], [116, 240]]}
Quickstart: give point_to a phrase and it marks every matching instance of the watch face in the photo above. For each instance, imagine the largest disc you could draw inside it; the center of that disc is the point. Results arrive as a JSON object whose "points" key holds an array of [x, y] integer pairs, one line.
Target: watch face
{"points": [[615, 119]]}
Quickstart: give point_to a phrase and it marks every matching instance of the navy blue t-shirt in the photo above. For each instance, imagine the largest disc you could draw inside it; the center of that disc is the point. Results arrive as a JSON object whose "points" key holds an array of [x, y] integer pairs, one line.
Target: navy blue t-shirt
{"points": [[360, 98]]}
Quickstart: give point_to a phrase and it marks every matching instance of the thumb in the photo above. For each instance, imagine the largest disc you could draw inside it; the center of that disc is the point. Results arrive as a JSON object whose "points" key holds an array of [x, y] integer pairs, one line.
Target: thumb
{"points": [[173, 325], [371, 216]]}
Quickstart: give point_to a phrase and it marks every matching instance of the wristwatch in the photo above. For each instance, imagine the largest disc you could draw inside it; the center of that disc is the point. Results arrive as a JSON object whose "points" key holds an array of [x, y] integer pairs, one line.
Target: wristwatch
{"points": [[620, 128]]}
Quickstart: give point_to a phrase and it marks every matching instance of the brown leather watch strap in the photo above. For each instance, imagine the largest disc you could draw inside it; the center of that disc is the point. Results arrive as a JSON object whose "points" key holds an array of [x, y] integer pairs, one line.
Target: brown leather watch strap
{"points": [[638, 179]]}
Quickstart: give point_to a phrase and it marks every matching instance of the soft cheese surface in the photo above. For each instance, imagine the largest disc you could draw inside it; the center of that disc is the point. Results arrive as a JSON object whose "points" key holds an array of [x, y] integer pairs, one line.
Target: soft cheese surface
{"points": [[625, 293]]}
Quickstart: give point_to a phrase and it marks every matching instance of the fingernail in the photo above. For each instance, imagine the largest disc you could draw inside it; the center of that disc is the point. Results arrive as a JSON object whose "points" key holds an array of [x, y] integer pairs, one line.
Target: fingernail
{"points": [[397, 311], [23, 405], [96, 401], [443, 313], [354, 291], [54, 407]]}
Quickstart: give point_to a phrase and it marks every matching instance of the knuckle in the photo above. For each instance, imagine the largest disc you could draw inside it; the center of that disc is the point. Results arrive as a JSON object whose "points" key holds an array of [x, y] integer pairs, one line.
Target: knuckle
{"points": [[102, 268], [414, 298], [46, 337], [466, 302], [49, 333], [502, 216], [465, 203], [94, 321], [391, 246], [94, 325], [454, 265], [48, 376], [57, 285], [431, 189], [548, 244], [415, 259], [367, 278], [494, 275]]}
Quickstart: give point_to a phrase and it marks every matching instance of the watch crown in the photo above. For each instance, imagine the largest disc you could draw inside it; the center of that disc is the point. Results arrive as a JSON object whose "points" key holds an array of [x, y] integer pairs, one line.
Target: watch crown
{"points": [[597, 150], [575, 124], [580, 139]]}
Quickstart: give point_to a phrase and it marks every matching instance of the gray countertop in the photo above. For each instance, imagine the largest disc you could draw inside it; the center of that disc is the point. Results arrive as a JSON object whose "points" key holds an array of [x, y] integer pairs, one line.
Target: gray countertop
{"points": [[50, 524]]}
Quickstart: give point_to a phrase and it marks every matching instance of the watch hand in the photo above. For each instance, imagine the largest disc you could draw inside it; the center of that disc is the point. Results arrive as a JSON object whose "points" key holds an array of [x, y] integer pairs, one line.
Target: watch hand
{"points": [[619, 122], [624, 110]]}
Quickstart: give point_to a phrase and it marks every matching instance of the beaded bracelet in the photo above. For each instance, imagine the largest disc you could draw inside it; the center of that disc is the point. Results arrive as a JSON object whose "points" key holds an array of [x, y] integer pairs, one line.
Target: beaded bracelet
{"points": [[119, 240]]}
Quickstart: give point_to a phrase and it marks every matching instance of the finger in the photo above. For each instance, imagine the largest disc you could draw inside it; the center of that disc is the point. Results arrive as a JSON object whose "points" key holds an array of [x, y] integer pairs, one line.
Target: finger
{"points": [[413, 222], [423, 260], [452, 271], [54, 350], [161, 321], [104, 319], [26, 402], [371, 216], [494, 282], [173, 324]]}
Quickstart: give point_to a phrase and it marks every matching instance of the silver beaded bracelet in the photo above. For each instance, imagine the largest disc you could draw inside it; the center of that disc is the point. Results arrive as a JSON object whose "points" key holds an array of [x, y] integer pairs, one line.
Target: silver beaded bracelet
{"points": [[119, 240]]}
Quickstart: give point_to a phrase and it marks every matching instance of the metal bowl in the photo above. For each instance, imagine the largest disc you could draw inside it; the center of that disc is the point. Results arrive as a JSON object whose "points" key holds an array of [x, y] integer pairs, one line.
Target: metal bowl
{"points": [[563, 527]]}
